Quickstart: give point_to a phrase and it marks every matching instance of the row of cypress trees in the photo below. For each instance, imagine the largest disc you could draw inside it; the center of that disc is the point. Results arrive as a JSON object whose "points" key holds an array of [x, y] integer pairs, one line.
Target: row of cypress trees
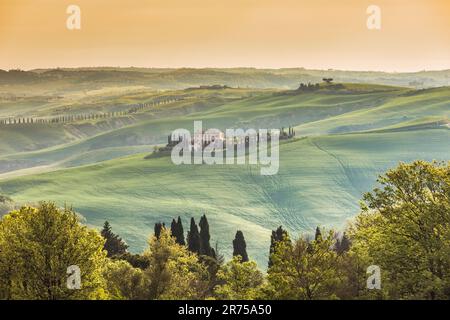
{"points": [[80, 117], [198, 239]]}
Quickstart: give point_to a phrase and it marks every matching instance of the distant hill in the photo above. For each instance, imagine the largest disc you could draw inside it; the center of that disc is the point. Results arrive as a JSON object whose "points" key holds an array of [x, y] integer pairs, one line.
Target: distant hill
{"points": [[169, 79], [353, 108]]}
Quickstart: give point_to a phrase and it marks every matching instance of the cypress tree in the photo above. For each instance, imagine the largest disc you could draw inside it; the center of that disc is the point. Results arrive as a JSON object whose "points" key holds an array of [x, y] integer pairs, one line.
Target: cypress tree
{"points": [[173, 229], [158, 228], [114, 245], [277, 236], [193, 238], [181, 232], [177, 231], [318, 235], [205, 247], [239, 246], [343, 244]]}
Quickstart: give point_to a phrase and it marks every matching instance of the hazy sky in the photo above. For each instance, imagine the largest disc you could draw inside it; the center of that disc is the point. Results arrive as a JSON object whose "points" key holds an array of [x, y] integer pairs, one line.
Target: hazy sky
{"points": [[414, 35]]}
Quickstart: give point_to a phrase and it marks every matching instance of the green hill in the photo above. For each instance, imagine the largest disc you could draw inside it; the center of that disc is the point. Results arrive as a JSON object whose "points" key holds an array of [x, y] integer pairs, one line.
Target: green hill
{"points": [[320, 182], [354, 108], [347, 135]]}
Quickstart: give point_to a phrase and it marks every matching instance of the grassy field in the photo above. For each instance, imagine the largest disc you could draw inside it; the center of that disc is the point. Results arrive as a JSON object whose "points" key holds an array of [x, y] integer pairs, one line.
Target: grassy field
{"points": [[320, 182], [345, 138]]}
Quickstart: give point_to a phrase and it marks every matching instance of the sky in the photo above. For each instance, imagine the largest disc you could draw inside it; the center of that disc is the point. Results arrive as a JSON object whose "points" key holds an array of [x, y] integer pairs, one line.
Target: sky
{"points": [[319, 34]]}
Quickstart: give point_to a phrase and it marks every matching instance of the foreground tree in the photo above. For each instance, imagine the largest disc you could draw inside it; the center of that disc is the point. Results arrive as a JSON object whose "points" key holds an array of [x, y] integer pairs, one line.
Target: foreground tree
{"points": [[304, 270], [37, 245], [114, 245], [174, 272], [177, 231], [318, 235], [193, 238], [135, 260], [205, 246], [157, 229], [240, 247], [404, 228], [342, 244], [125, 282], [239, 280], [278, 236]]}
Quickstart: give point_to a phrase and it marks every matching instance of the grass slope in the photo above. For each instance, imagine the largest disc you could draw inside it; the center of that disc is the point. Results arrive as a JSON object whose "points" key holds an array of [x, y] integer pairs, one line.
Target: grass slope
{"points": [[320, 182], [247, 108]]}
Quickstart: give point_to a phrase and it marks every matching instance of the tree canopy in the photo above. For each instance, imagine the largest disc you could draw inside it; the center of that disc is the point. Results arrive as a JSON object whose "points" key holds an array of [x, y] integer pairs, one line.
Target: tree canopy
{"points": [[402, 231], [37, 245]]}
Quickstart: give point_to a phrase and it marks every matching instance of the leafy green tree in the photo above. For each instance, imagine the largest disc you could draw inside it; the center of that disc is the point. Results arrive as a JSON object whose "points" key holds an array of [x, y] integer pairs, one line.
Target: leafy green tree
{"points": [[37, 245], [125, 282], [174, 272], [114, 245], [353, 272], [278, 236], [212, 266], [304, 270], [135, 260], [193, 238], [239, 280], [240, 247], [404, 228]]}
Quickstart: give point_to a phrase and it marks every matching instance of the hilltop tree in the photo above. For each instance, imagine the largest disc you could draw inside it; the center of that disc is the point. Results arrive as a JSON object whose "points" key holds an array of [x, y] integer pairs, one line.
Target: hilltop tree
{"points": [[205, 247], [193, 238], [277, 236], [240, 247], [177, 231], [37, 247], [114, 245]]}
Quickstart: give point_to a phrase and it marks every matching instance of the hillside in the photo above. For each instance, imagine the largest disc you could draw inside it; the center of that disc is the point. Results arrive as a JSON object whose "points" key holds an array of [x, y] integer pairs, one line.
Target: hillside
{"points": [[347, 134], [320, 182], [75, 79], [354, 108]]}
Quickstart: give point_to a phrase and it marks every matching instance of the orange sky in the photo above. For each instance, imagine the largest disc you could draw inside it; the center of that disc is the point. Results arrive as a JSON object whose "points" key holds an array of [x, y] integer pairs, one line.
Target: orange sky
{"points": [[323, 34]]}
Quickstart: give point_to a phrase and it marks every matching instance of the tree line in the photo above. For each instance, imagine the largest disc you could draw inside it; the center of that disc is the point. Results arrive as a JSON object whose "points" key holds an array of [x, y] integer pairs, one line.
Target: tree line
{"points": [[403, 228], [86, 116]]}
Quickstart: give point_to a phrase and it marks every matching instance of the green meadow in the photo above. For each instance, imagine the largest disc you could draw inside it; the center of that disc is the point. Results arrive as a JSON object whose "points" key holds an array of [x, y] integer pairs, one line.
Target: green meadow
{"points": [[345, 136]]}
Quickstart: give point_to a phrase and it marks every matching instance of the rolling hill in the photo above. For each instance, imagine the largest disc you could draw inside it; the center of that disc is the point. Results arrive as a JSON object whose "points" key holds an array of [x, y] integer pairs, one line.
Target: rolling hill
{"points": [[320, 182], [346, 136]]}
